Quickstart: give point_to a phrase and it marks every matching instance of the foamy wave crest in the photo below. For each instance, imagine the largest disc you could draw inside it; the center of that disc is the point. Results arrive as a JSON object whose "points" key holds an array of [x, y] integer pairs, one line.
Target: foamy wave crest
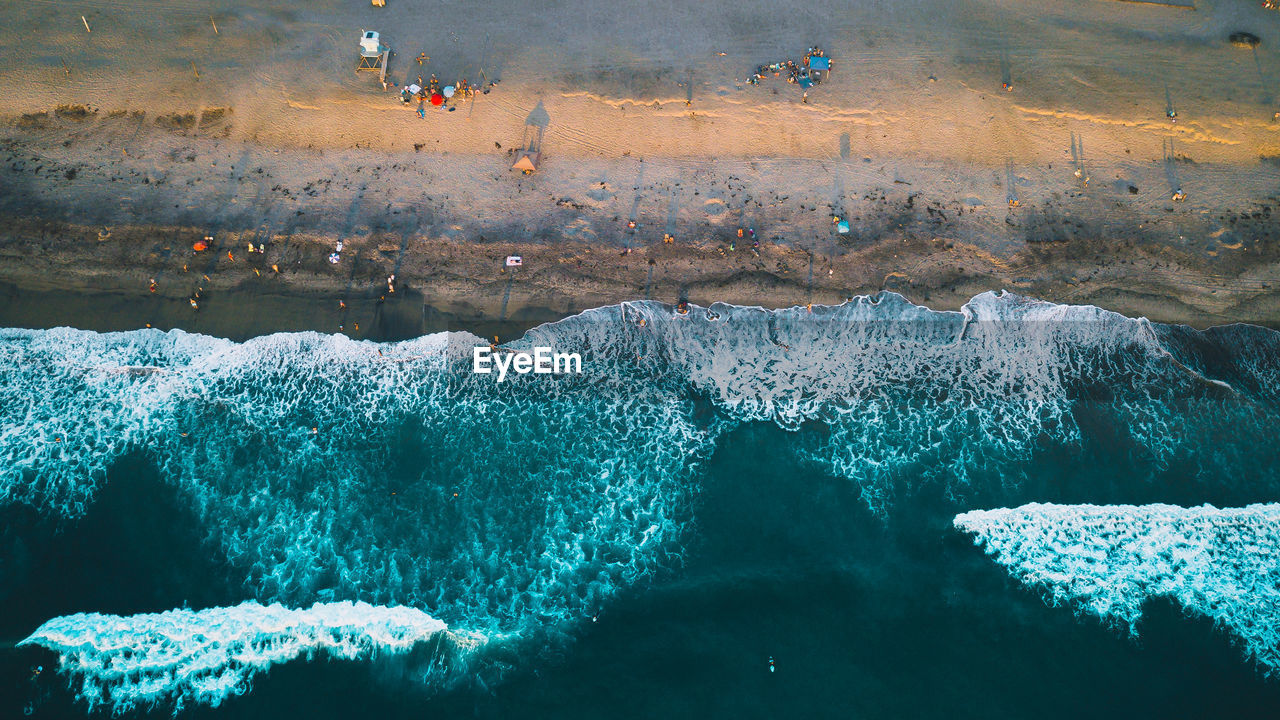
{"points": [[207, 656], [1108, 560], [910, 393], [328, 469]]}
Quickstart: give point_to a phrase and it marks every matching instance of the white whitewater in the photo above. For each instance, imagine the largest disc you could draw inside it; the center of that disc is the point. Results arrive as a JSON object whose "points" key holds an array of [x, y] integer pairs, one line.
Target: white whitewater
{"points": [[207, 656], [1108, 560]]}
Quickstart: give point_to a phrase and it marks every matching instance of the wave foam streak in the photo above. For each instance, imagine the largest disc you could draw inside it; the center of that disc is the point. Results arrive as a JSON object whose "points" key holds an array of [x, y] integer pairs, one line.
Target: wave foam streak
{"points": [[1108, 560], [207, 656]]}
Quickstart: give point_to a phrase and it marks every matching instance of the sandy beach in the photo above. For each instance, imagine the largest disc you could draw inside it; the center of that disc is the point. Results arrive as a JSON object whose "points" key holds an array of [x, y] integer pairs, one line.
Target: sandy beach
{"points": [[141, 128]]}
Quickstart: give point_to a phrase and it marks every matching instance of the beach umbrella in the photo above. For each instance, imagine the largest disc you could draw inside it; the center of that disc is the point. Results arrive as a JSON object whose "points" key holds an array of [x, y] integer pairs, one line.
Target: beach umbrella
{"points": [[437, 99], [448, 91]]}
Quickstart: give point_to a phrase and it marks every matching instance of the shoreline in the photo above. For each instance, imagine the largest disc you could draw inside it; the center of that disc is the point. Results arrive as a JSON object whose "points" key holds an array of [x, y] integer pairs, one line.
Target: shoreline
{"points": [[241, 312]]}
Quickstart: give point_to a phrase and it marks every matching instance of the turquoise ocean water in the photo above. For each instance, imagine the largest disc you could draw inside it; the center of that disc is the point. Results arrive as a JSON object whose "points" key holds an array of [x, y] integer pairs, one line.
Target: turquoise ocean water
{"points": [[730, 513]]}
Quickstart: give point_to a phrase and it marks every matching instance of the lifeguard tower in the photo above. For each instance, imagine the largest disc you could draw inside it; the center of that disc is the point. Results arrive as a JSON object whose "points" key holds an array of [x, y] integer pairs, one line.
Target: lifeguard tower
{"points": [[373, 55]]}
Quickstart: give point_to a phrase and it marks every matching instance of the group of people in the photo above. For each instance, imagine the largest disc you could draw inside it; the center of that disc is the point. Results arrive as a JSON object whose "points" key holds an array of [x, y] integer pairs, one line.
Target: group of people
{"points": [[795, 70], [437, 95]]}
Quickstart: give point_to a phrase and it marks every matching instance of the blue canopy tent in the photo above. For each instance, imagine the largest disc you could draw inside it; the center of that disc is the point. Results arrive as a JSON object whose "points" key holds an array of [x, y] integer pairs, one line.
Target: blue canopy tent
{"points": [[819, 64]]}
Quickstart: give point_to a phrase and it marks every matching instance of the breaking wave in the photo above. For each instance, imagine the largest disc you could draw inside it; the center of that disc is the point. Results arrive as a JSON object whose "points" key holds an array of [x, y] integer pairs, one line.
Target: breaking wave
{"points": [[185, 656], [908, 394], [1108, 560]]}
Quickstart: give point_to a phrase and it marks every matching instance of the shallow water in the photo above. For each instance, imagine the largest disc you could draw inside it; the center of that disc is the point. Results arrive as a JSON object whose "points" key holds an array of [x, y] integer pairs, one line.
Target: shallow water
{"points": [[641, 539]]}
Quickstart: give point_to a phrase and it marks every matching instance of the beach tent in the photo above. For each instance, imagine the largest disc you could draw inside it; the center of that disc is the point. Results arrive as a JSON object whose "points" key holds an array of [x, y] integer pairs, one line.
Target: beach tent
{"points": [[526, 161], [819, 68], [531, 141]]}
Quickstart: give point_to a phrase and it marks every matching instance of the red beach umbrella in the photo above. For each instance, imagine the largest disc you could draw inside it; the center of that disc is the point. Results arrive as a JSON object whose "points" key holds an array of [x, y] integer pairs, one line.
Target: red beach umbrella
{"points": [[437, 99]]}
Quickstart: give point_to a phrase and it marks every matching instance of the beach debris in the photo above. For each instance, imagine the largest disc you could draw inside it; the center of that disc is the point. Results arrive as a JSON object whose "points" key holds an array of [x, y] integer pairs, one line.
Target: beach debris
{"points": [[86, 24], [514, 261]]}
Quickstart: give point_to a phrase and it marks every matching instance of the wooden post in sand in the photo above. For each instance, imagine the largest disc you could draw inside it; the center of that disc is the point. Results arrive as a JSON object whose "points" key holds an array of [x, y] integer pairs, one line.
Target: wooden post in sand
{"points": [[86, 24], [215, 25], [195, 70]]}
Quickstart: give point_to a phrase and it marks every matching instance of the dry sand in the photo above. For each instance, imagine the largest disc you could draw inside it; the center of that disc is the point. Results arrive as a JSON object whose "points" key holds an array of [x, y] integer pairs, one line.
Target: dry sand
{"points": [[116, 159]]}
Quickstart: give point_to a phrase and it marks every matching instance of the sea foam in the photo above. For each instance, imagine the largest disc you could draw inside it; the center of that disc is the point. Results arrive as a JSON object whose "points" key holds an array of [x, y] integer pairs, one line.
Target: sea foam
{"points": [[330, 469], [206, 656], [1109, 560], [909, 393]]}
